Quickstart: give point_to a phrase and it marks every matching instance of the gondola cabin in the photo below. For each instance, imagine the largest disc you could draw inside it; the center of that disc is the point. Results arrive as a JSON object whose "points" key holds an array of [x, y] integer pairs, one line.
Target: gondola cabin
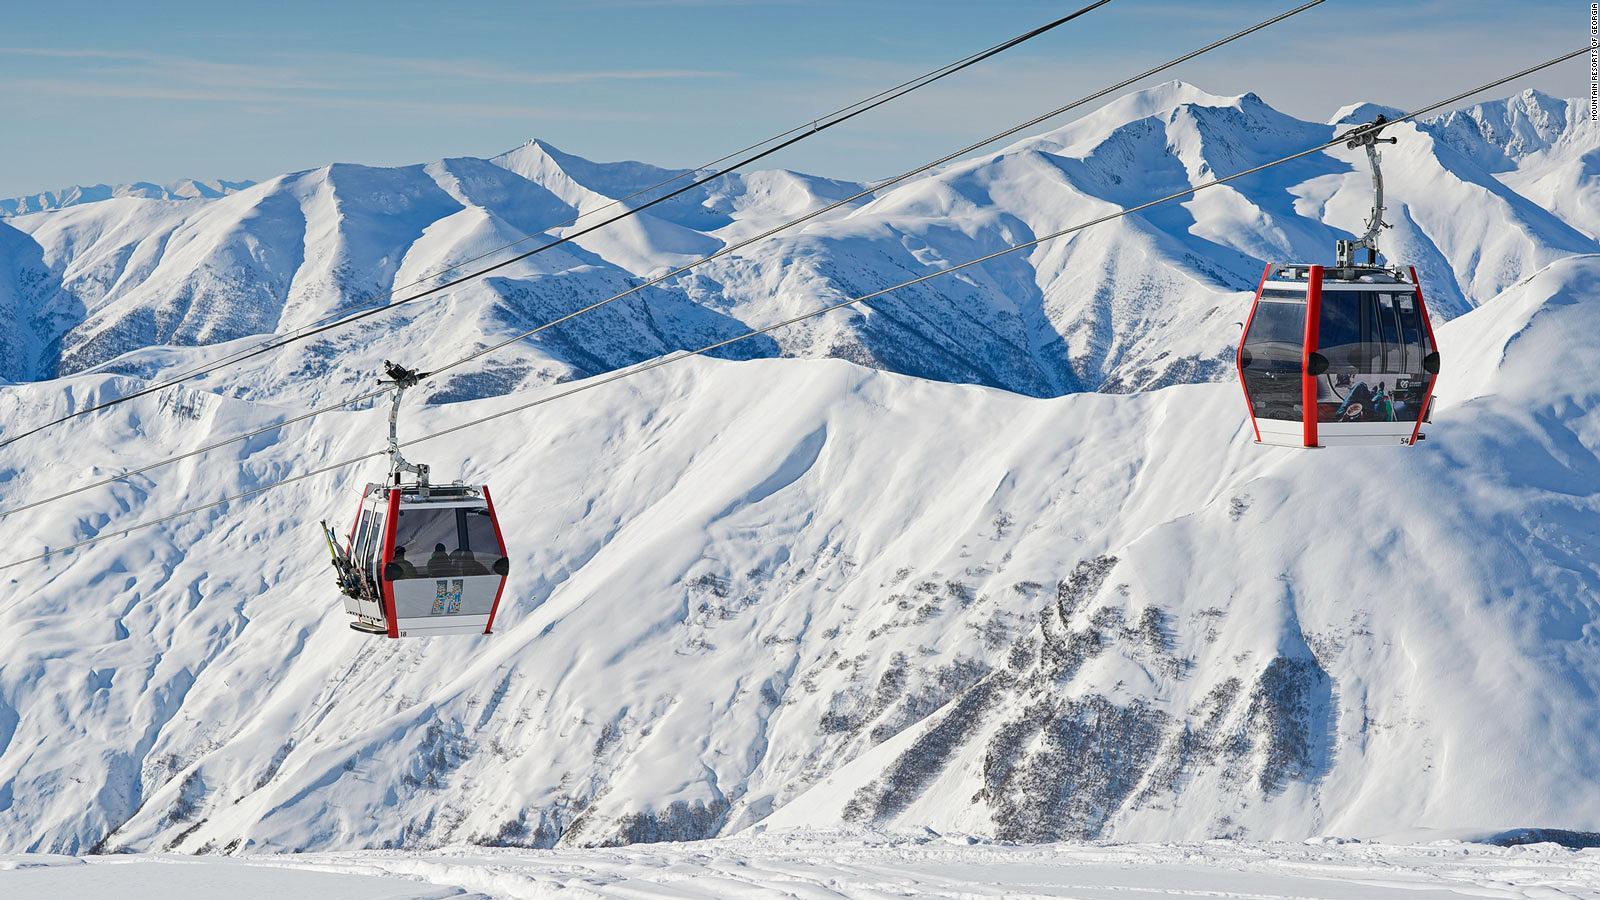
{"points": [[1337, 357], [424, 561]]}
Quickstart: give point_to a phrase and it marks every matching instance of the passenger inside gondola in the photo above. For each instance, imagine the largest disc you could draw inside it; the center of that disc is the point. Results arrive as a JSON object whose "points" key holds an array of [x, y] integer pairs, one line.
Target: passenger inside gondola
{"points": [[439, 565], [407, 570], [1374, 343], [1365, 404], [463, 539], [466, 563]]}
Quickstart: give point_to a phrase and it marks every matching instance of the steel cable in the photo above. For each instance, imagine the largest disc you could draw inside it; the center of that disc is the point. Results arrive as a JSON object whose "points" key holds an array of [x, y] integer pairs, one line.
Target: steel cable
{"points": [[477, 354], [790, 138], [666, 360]]}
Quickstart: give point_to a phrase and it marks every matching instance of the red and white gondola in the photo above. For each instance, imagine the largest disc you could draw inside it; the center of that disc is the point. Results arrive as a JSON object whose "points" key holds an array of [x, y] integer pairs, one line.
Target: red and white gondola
{"points": [[420, 559], [1341, 355]]}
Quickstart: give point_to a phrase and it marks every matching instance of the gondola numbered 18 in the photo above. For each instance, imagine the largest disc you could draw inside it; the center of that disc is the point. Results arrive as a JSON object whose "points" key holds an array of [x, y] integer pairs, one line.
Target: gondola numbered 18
{"points": [[420, 559], [1341, 355]]}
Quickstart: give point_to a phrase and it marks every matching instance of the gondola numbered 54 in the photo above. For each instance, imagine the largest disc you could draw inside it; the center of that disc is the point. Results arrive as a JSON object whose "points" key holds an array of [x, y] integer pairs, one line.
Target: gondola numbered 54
{"points": [[1341, 355], [420, 559]]}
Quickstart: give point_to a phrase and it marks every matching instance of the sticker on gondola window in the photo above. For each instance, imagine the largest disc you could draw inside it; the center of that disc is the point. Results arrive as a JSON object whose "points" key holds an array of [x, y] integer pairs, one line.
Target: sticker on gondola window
{"points": [[447, 596]]}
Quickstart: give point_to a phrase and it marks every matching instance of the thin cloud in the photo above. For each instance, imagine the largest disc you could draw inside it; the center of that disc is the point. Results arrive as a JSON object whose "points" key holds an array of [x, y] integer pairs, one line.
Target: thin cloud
{"points": [[331, 72], [74, 53], [290, 101], [323, 81], [170, 67], [684, 4], [469, 70]]}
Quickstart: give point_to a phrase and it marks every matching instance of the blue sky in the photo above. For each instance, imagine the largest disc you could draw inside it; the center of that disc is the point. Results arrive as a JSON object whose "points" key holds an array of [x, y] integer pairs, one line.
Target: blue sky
{"points": [[118, 91]]}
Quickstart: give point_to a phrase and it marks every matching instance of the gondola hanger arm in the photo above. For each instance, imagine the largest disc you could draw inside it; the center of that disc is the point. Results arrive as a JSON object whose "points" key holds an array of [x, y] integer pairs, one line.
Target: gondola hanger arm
{"points": [[400, 378]]}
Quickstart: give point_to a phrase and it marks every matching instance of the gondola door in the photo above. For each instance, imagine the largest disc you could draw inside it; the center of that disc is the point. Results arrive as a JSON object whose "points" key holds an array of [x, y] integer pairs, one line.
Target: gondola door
{"points": [[1374, 364], [1271, 362], [444, 565], [366, 554]]}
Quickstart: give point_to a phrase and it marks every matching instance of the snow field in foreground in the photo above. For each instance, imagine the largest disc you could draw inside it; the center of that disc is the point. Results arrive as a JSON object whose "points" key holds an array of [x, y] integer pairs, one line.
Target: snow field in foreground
{"points": [[826, 865]]}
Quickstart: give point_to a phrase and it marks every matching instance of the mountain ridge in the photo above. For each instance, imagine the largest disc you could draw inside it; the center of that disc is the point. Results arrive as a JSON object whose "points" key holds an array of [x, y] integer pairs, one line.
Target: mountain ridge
{"points": [[107, 288], [78, 194]]}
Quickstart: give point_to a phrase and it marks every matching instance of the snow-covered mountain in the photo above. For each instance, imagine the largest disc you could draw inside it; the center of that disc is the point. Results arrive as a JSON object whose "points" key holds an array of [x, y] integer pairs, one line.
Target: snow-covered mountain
{"points": [[810, 591], [1547, 150], [1132, 304], [804, 591], [186, 189]]}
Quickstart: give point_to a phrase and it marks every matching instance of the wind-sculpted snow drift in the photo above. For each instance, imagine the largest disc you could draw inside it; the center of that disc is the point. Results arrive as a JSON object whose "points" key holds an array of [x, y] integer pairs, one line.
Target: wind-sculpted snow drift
{"points": [[805, 592]]}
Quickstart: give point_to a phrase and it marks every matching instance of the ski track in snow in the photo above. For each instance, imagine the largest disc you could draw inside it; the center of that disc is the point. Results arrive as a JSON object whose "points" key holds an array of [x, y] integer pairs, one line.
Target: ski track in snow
{"points": [[817, 866]]}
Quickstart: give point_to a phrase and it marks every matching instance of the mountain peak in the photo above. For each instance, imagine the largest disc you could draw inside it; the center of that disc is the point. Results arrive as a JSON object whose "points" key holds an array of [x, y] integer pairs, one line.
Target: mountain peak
{"points": [[1167, 96], [534, 145], [530, 150], [1161, 100], [1535, 97], [1496, 132], [1362, 113], [539, 161], [888, 497]]}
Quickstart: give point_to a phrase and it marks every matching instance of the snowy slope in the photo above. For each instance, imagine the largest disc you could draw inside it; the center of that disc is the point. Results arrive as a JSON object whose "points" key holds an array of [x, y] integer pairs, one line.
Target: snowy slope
{"points": [[805, 592], [22, 304], [1548, 152], [1478, 200]]}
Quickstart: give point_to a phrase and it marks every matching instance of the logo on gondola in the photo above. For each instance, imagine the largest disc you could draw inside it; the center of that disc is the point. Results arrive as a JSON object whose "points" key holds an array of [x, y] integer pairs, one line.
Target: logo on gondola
{"points": [[447, 596]]}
